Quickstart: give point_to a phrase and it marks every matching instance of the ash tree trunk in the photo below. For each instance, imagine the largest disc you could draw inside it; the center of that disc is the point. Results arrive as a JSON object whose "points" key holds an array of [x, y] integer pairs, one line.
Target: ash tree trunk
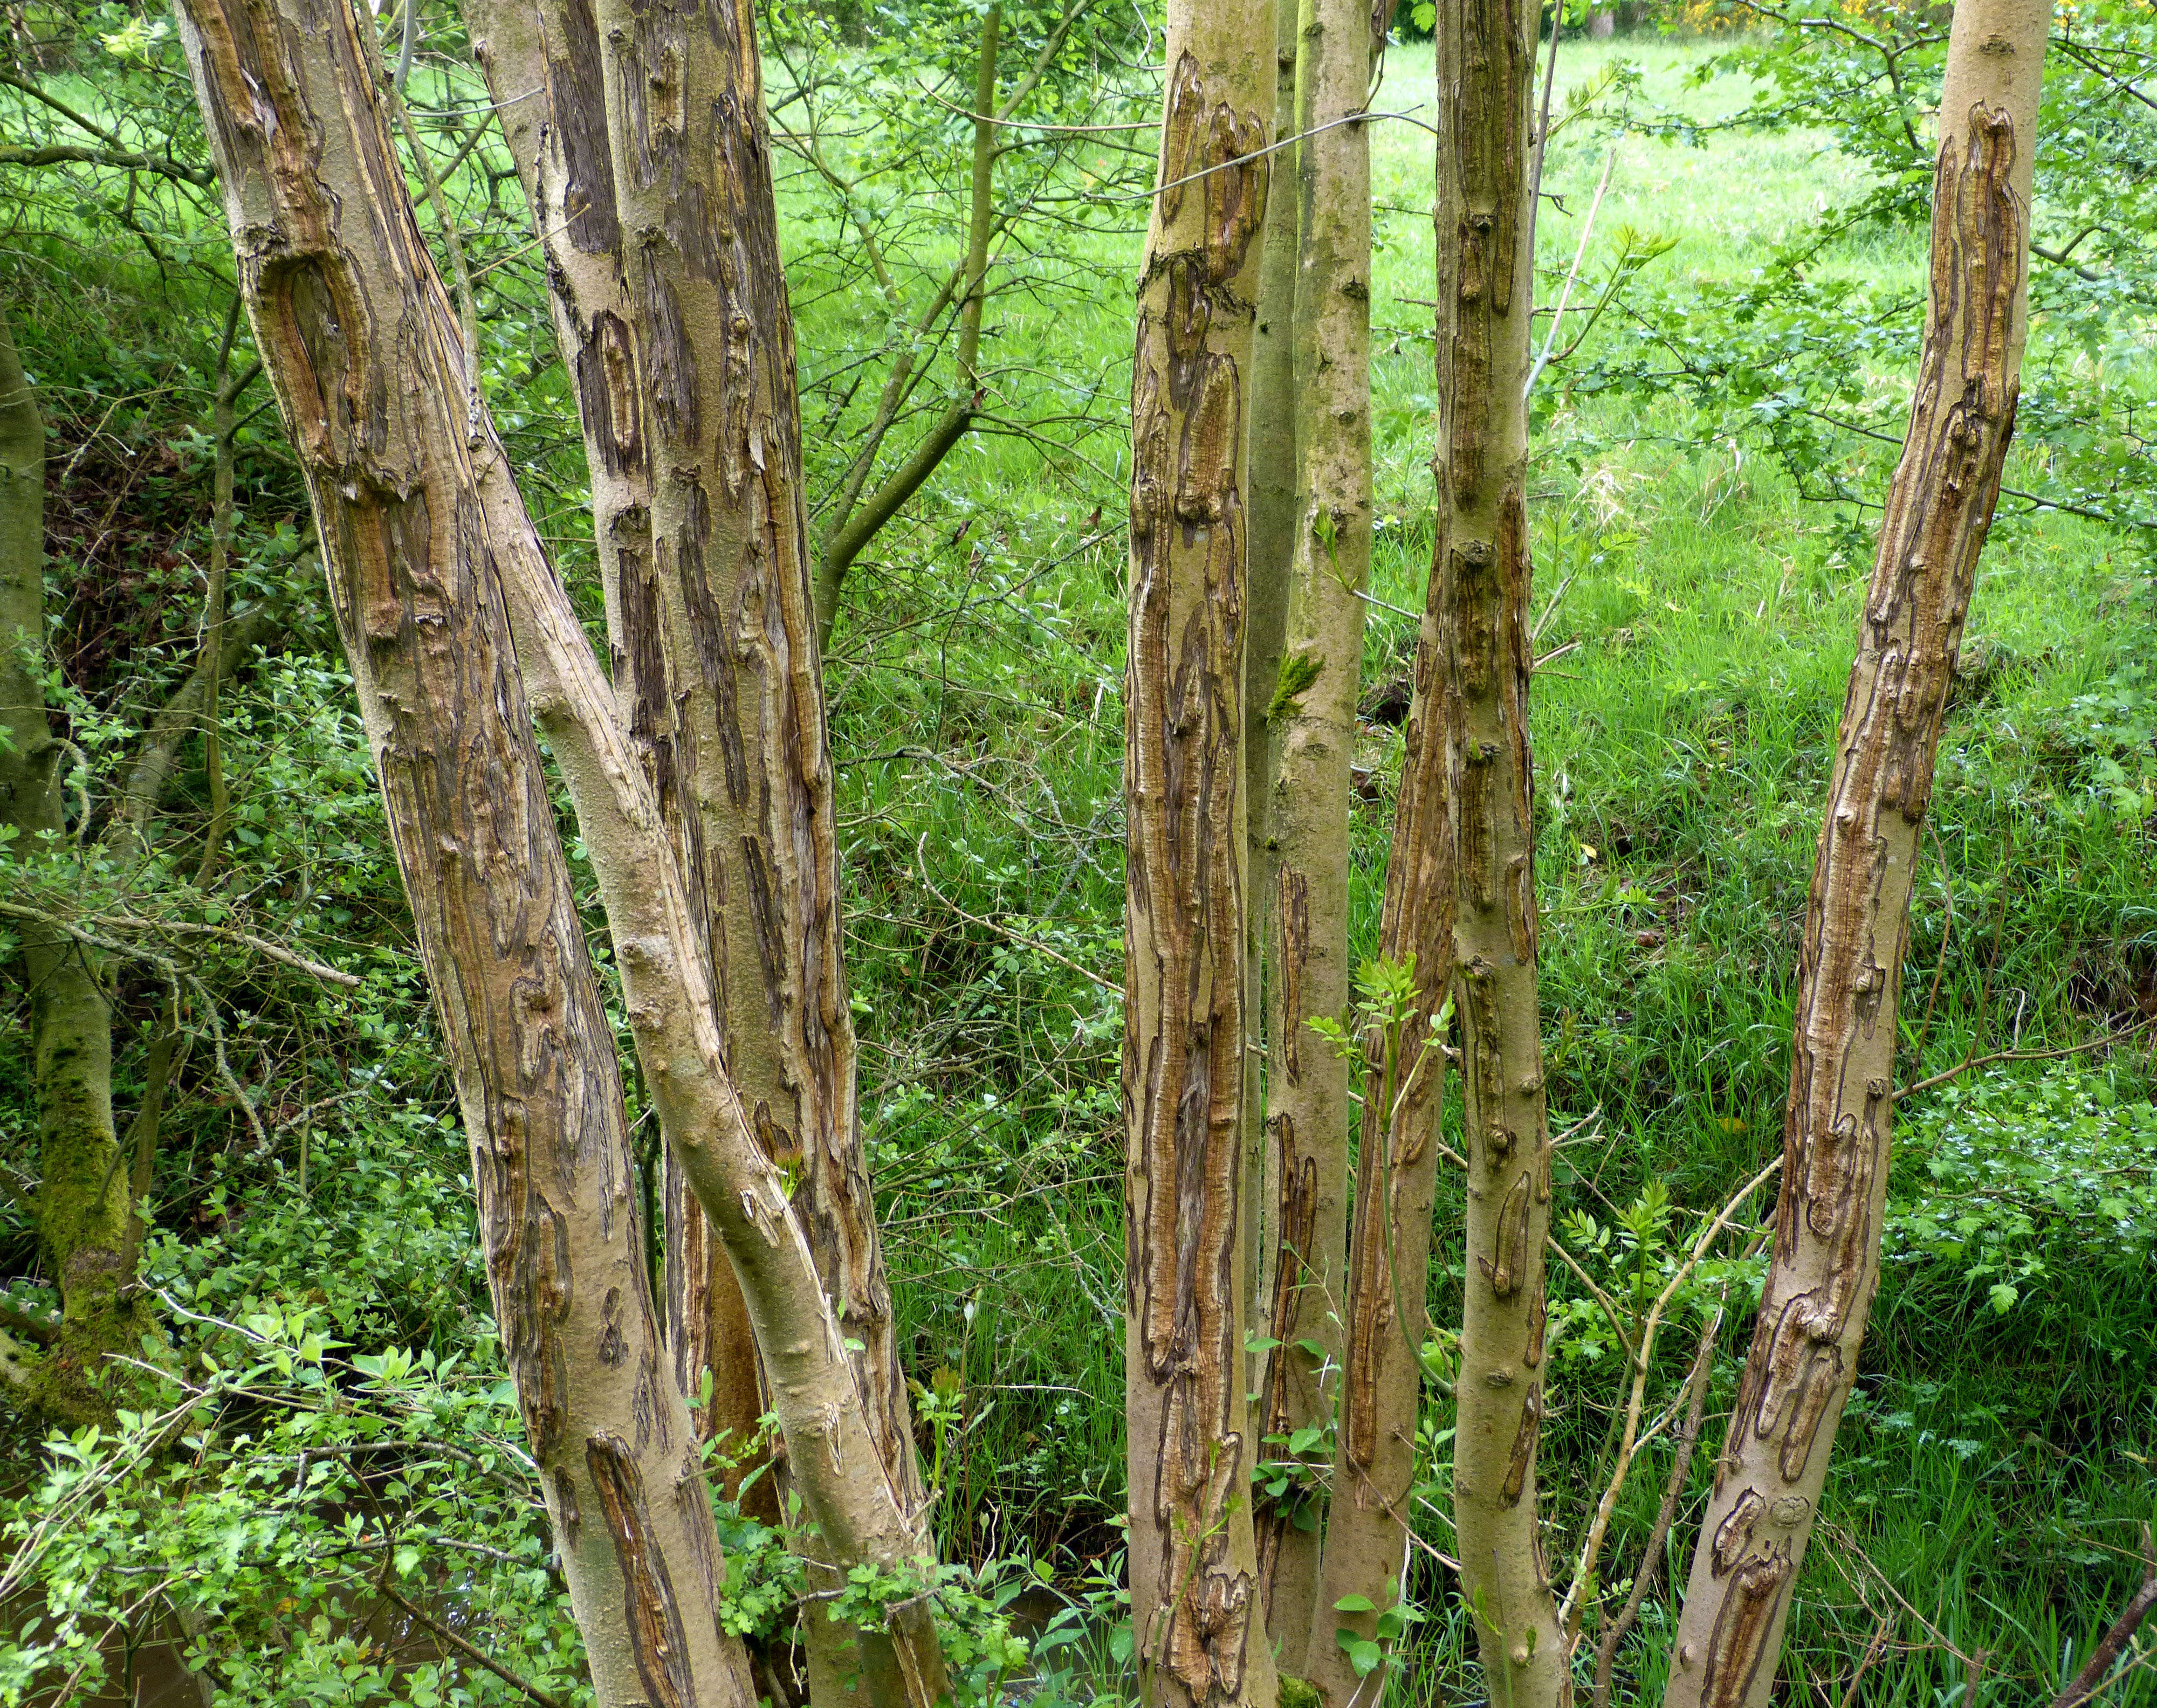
{"points": [[364, 353], [1269, 408], [1480, 575], [1199, 1627], [542, 68], [683, 342], [1368, 1517], [716, 631], [1826, 1262], [1312, 714]]}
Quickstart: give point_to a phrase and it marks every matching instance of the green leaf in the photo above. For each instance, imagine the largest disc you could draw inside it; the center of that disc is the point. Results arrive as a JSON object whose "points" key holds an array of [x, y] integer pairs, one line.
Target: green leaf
{"points": [[1356, 1604]]}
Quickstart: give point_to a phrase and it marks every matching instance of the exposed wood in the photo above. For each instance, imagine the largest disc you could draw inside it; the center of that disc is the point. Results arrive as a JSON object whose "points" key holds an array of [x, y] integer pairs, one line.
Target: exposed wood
{"points": [[1198, 1623]]}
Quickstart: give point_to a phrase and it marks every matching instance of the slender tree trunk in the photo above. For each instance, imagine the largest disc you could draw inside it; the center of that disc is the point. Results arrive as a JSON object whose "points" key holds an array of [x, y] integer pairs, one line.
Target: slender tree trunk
{"points": [[366, 358], [135, 813], [1481, 573], [542, 67], [1826, 1264], [717, 629], [1313, 721], [216, 605], [82, 1200], [1199, 1628], [1271, 411], [1368, 1517]]}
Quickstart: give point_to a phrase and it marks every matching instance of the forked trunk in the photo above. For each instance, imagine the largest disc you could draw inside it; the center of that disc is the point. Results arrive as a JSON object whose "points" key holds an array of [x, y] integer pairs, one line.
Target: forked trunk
{"points": [[368, 363], [541, 58], [684, 360], [1199, 1627], [717, 629], [1826, 1260], [1310, 796], [1480, 575]]}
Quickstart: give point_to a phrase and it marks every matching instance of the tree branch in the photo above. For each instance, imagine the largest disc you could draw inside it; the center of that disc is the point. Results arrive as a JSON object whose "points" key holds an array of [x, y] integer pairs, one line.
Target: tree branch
{"points": [[2092, 1678]]}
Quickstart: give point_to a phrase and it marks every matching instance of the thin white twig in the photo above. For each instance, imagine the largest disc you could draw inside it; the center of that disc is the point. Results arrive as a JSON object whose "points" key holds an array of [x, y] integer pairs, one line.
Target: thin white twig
{"points": [[1565, 296]]}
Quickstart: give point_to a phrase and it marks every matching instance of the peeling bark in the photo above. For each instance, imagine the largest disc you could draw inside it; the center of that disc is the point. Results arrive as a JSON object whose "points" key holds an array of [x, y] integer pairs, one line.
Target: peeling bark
{"points": [[1480, 575], [1311, 797], [1200, 1636], [542, 67], [1836, 1147], [683, 343], [367, 364]]}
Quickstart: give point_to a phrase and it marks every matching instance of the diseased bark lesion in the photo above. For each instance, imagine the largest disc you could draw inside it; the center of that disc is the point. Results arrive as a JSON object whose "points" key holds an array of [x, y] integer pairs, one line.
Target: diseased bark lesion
{"points": [[420, 553], [1824, 1267], [1200, 1637]]}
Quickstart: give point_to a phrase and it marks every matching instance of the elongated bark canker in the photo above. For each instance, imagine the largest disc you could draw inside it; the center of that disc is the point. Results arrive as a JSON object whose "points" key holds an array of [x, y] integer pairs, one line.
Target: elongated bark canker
{"points": [[364, 354], [543, 66], [1311, 800], [1199, 1632], [718, 631], [1826, 1265], [1480, 576]]}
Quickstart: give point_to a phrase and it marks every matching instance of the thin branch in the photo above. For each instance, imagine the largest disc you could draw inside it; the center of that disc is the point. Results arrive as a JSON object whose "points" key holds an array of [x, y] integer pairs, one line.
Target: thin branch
{"points": [[1574, 1607], [478, 1657], [1005, 932], [1651, 1556], [1565, 296], [2093, 1678], [1965, 1066], [119, 160]]}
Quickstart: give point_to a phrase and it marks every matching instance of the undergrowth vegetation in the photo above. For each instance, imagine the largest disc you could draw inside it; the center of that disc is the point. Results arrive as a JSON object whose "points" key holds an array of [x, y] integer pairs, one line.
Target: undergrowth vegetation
{"points": [[318, 1472]]}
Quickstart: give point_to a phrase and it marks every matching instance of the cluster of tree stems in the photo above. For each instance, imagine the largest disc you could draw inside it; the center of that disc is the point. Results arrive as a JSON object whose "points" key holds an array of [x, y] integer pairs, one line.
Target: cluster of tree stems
{"points": [[1282, 1124]]}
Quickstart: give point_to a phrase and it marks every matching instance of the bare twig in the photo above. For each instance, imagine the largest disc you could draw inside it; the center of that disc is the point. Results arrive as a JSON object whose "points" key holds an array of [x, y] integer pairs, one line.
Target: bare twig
{"points": [[1651, 1557], [1004, 931], [1565, 296], [478, 1657], [1574, 1607], [2093, 1676], [2082, 1049]]}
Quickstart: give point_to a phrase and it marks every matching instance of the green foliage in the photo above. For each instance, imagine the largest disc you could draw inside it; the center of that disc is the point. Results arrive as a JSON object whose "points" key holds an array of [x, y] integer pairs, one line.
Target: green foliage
{"points": [[1809, 355], [2012, 1187]]}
